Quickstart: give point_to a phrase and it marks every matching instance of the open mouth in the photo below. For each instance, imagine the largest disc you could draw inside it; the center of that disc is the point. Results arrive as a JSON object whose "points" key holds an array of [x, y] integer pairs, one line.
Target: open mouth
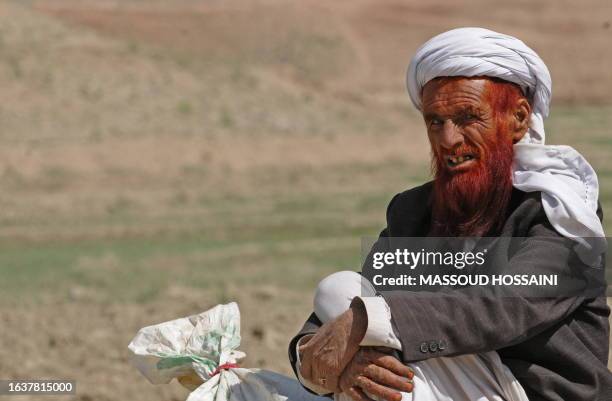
{"points": [[455, 161]]}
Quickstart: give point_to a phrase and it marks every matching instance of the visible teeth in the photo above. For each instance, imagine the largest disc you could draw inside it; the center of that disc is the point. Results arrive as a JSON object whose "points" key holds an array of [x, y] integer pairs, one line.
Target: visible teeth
{"points": [[454, 160]]}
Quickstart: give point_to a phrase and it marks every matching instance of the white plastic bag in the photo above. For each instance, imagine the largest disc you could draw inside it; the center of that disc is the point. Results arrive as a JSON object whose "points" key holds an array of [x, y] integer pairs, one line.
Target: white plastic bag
{"points": [[202, 344]]}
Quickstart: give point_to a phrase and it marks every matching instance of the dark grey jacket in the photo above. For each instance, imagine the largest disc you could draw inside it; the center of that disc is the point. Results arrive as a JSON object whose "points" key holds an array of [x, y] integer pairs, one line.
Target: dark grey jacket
{"points": [[556, 347]]}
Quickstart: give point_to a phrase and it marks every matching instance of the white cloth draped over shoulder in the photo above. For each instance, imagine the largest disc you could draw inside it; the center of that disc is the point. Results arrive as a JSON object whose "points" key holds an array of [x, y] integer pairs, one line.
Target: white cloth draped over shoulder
{"points": [[566, 180]]}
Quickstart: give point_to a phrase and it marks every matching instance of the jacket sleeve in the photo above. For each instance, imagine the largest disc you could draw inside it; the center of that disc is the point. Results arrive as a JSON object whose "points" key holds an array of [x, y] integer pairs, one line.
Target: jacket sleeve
{"points": [[310, 327], [461, 322]]}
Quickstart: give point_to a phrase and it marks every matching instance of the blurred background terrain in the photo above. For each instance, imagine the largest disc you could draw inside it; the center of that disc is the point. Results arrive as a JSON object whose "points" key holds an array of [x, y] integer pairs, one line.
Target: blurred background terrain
{"points": [[160, 157]]}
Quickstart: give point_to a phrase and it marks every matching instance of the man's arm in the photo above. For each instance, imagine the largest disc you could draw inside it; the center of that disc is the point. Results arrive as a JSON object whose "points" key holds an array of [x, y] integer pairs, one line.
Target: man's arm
{"points": [[310, 327], [325, 355], [379, 331], [460, 322], [371, 372], [376, 369]]}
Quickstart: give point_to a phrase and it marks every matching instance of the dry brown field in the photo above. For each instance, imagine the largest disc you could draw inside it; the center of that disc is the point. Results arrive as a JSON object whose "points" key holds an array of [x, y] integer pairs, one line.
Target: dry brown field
{"points": [[160, 157]]}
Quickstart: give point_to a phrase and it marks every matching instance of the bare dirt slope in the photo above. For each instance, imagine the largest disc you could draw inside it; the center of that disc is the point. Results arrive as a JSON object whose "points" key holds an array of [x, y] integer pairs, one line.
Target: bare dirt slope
{"points": [[160, 157]]}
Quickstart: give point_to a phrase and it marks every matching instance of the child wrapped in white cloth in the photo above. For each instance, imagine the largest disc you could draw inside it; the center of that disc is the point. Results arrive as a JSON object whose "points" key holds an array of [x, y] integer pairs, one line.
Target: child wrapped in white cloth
{"points": [[478, 377]]}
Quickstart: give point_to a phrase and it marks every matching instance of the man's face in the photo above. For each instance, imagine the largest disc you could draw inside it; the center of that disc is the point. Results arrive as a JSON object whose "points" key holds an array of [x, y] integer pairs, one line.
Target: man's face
{"points": [[471, 130], [461, 122]]}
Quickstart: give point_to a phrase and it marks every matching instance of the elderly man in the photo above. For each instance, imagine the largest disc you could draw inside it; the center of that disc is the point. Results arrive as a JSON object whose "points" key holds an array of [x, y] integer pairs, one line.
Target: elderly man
{"points": [[484, 96]]}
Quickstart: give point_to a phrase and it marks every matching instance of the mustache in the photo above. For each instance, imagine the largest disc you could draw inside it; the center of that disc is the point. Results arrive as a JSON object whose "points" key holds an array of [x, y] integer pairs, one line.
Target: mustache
{"points": [[462, 150], [442, 158]]}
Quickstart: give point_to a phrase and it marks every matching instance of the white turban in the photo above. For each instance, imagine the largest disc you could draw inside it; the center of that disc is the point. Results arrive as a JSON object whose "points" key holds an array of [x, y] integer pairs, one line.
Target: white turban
{"points": [[567, 182]]}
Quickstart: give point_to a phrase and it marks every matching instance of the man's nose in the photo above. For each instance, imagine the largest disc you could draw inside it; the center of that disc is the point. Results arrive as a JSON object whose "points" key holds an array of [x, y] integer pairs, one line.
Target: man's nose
{"points": [[451, 137]]}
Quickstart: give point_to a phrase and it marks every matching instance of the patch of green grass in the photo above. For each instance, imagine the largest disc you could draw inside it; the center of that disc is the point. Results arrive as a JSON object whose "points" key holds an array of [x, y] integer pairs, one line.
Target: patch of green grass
{"points": [[120, 205], [145, 266], [226, 119], [184, 107], [133, 47], [306, 236], [90, 93], [54, 178], [276, 235], [15, 67]]}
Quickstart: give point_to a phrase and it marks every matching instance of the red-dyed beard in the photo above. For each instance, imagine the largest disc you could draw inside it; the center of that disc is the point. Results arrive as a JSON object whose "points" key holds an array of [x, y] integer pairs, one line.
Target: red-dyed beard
{"points": [[472, 202]]}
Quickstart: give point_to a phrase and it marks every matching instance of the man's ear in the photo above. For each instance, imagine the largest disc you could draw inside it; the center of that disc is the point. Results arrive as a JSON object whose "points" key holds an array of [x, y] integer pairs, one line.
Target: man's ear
{"points": [[520, 119]]}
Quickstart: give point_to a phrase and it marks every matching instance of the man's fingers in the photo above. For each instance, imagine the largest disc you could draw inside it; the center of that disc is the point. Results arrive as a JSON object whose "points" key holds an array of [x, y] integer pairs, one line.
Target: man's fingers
{"points": [[394, 365], [387, 378], [374, 389], [356, 394]]}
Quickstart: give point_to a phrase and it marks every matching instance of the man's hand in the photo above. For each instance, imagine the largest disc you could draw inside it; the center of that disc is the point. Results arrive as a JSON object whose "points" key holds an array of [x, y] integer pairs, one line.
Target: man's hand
{"points": [[326, 354], [374, 373]]}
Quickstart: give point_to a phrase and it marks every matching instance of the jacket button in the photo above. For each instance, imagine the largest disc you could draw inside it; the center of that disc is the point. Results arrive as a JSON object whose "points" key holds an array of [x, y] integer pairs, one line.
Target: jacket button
{"points": [[433, 346], [424, 348], [442, 345]]}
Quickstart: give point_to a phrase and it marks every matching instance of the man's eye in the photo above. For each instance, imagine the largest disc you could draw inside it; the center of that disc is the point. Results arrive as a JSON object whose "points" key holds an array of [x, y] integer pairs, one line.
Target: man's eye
{"points": [[470, 117], [436, 122]]}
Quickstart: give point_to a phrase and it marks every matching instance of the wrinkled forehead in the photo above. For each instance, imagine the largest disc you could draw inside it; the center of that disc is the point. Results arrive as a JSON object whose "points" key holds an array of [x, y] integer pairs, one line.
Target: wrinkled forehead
{"points": [[455, 90]]}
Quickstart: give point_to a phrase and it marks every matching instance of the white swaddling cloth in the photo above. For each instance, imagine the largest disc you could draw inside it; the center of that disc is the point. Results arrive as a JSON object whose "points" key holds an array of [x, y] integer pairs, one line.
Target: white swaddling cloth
{"points": [[481, 377]]}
